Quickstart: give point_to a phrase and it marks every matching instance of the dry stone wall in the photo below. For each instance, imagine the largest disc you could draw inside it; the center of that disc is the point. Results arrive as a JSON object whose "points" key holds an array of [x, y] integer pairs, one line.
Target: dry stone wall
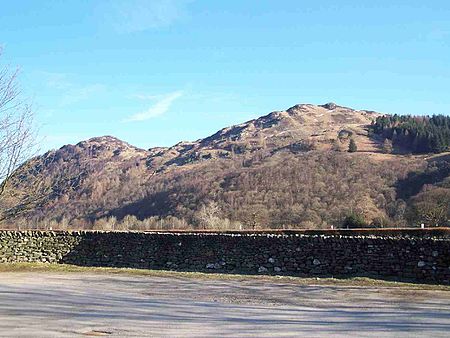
{"points": [[417, 258]]}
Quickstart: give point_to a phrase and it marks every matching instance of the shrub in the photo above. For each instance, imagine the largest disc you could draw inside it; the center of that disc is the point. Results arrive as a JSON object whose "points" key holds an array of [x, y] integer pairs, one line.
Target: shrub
{"points": [[354, 220], [380, 222]]}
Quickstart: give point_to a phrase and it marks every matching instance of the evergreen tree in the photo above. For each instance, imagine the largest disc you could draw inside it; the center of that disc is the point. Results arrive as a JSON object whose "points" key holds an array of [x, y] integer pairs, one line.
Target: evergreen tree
{"points": [[352, 148]]}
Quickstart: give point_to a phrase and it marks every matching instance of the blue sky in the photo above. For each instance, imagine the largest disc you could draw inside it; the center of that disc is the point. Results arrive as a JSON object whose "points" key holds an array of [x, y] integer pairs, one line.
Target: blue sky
{"points": [[156, 72]]}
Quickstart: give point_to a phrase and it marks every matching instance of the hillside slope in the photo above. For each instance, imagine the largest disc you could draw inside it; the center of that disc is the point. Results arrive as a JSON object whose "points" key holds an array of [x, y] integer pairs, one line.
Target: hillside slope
{"points": [[300, 125], [287, 168]]}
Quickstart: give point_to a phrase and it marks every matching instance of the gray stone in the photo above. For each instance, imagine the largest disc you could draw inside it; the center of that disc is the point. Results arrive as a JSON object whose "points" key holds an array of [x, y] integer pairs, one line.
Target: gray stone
{"points": [[316, 261], [262, 269], [277, 269], [421, 264]]}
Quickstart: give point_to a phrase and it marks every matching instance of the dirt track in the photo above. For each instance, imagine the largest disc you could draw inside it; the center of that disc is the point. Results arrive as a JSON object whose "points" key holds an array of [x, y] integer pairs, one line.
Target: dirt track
{"points": [[72, 304]]}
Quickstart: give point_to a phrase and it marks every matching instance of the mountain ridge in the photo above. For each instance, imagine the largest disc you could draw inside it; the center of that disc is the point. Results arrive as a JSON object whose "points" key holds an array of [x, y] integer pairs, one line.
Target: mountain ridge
{"points": [[285, 167], [233, 131]]}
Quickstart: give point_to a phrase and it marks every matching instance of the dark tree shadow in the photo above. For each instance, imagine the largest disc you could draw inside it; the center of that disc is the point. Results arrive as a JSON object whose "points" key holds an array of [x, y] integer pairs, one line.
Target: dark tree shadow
{"points": [[436, 172]]}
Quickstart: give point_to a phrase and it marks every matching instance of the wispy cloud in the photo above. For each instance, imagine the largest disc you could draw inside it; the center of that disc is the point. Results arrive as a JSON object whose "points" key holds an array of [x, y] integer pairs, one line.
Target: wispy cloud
{"points": [[81, 93], [68, 90], [55, 80], [126, 16], [160, 107], [147, 97]]}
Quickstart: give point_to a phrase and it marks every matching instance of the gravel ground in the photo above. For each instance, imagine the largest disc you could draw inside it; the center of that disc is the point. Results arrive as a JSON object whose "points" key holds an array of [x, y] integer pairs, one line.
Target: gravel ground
{"points": [[87, 304]]}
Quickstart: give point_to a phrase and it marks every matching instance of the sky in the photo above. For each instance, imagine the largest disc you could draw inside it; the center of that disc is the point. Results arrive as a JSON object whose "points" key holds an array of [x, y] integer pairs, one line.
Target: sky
{"points": [[155, 72]]}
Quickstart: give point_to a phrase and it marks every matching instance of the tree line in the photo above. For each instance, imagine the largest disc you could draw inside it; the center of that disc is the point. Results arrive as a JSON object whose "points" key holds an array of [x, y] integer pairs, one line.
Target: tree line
{"points": [[417, 134]]}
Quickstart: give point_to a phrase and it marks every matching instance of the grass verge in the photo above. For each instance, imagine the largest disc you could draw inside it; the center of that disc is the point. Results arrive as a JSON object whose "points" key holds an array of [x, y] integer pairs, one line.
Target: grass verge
{"points": [[351, 281]]}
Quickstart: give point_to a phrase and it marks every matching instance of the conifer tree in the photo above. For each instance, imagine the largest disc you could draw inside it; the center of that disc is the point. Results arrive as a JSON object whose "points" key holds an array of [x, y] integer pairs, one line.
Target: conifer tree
{"points": [[352, 147]]}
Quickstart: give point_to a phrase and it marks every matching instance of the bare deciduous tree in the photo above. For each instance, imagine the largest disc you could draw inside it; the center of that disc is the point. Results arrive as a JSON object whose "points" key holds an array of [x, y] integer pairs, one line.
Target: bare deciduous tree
{"points": [[17, 136], [387, 146], [208, 216], [22, 185], [433, 207]]}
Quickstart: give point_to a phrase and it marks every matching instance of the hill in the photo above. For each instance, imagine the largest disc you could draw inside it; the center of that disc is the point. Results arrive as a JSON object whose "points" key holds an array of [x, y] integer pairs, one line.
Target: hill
{"points": [[286, 169]]}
